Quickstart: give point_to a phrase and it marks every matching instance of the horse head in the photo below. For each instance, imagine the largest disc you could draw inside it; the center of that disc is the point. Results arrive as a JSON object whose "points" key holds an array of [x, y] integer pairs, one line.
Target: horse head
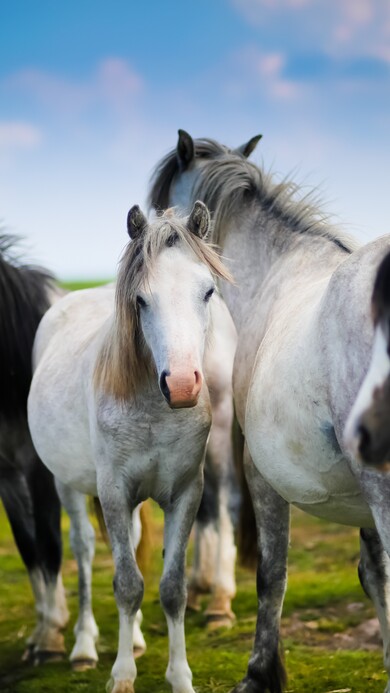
{"points": [[367, 432]]}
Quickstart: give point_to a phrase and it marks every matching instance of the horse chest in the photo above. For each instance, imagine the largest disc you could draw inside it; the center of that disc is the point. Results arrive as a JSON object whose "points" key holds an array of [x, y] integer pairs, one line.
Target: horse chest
{"points": [[157, 456]]}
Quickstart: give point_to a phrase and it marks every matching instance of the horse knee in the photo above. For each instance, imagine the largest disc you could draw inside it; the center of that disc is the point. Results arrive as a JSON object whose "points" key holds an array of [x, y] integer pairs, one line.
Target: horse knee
{"points": [[173, 594], [128, 589]]}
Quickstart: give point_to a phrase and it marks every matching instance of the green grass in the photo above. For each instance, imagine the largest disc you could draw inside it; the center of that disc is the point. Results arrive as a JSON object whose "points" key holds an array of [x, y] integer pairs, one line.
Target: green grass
{"points": [[75, 285], [322, 586]]}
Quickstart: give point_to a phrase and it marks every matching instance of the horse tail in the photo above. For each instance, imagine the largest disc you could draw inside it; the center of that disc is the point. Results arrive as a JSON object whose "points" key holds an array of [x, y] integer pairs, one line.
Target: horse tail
{"points": [[98, 512], [246, 529], [144, 548], [146, 544]]}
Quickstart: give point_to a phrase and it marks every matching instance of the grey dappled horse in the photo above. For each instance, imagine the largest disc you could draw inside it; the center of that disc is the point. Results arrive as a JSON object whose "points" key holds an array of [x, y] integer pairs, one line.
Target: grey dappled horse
{"points": [[133, 420]]}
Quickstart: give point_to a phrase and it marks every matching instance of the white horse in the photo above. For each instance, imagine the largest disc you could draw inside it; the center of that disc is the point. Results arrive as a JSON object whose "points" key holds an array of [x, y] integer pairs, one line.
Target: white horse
{"points": [[213, 566], [367, 433], [301, 306], [118, 408]]}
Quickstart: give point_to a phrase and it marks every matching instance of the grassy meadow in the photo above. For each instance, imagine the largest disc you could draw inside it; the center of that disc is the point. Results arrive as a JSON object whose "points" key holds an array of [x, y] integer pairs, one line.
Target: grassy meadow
{"points": [[330, 638]]}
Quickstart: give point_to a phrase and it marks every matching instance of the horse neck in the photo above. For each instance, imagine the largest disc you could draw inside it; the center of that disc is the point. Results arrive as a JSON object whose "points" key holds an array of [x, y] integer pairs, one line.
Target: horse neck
{"points": [[263, 253]]}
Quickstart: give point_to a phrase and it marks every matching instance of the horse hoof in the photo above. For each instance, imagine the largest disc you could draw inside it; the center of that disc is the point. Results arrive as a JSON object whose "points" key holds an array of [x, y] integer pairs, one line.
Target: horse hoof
{"points": [[138, 651], [193, 600], [215, 621], [83, 664], [119, 686], [247, 686], [45, 657], [221, 621]]}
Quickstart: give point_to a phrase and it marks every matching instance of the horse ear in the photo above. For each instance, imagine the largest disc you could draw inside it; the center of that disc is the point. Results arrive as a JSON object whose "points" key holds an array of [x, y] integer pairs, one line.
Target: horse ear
{"points": [[136, 222], [199, 220], [247, 148], [185, 149]]}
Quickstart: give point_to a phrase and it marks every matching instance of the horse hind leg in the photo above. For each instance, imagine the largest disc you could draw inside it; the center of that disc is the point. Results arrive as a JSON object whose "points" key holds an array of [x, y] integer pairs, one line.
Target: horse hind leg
{"points": [[49, 643], [16, 498], [213, 569], [139, 644], [374, 575], [219, 610], [220, 463], [201, 579], [82, 540]]}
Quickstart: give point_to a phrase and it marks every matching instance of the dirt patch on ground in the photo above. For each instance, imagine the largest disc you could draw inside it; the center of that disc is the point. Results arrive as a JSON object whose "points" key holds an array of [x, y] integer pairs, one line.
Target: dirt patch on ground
{"points": [[347, 627]]}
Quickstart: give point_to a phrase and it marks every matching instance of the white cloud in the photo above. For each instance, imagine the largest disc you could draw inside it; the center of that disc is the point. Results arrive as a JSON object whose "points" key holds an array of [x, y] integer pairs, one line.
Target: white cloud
{"points": [[345, 27], [114, 84], [18, 135], [256, 71]]}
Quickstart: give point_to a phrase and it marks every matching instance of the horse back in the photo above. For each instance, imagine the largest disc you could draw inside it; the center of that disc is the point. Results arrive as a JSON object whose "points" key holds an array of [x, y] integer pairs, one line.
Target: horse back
{"points": [[74, 318]]}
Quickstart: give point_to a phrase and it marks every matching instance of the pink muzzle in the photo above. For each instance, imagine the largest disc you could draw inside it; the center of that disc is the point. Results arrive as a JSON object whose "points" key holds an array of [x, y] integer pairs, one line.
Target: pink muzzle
{"points": [[182, 388]]}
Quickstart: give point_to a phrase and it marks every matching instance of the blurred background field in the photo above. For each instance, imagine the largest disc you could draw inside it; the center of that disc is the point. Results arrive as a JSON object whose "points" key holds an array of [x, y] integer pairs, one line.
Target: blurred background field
{"points": [[330, 634]]}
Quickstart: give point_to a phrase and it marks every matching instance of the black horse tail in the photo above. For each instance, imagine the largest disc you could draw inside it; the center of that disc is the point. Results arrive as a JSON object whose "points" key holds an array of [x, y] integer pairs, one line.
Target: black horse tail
{"points": [[246, 529]]}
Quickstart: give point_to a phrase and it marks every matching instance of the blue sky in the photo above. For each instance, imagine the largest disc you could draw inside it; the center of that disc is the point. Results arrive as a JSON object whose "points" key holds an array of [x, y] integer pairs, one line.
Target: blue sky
{"points": [[92, 94]]}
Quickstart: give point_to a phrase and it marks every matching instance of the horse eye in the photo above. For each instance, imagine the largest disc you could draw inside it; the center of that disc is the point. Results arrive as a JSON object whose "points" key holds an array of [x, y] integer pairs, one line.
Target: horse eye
{"points": [[140, 302], [209, 294]]}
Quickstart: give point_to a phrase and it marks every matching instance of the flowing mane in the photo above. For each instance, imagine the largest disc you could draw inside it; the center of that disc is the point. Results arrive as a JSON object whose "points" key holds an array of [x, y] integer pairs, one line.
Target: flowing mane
{"points": [[229, 180], [24, 298], [124, 365]]}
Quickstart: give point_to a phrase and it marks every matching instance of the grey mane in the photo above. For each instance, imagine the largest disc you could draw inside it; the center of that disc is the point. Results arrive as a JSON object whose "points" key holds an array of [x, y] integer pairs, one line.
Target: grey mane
{"points": [[169, 166], [230, 181]]}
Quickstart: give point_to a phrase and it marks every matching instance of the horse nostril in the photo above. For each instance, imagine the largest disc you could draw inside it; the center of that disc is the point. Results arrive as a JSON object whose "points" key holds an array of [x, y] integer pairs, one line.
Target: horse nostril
{"points": [[164, 385], [365, 439]]}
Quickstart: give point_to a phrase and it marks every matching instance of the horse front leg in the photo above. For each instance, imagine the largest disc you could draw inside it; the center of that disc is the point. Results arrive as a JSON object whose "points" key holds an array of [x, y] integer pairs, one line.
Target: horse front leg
{"points": [[374, 575], [128, 582], [179, 518], [266, 673], [82, 540], [374, 566], [47, 520]]}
